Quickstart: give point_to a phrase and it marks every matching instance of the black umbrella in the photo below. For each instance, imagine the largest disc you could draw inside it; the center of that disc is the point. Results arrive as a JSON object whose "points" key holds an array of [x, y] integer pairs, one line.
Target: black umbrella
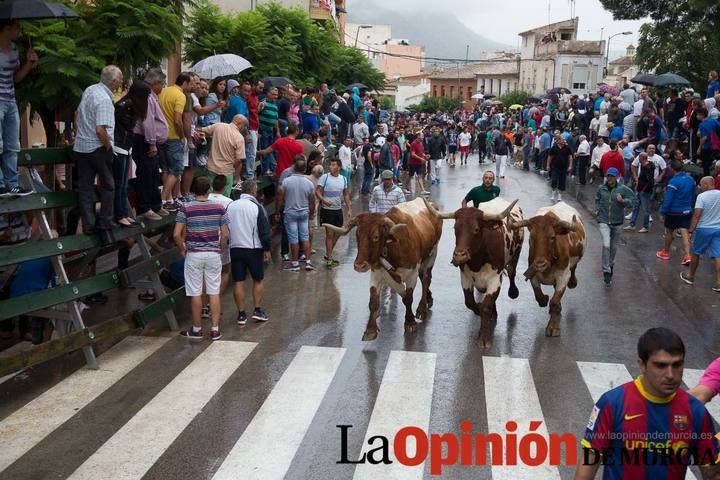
{"points": [[489, 96], [557, 90], [276, 81], [646, 79], [360, 86], [534, 100], [670, 80], [33, 10]]}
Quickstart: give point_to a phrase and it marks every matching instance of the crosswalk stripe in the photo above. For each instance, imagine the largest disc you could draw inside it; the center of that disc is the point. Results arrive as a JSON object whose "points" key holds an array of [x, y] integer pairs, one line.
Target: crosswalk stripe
{"points": [[404, 399], [691, 377], [266, 448], [131, 452], [510, 394], [26, 427], [601, 377]]}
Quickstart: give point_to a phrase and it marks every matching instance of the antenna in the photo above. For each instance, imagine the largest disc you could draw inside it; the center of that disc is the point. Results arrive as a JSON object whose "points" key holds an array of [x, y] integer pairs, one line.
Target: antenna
{"points": [[549, 11], [572, 8]]}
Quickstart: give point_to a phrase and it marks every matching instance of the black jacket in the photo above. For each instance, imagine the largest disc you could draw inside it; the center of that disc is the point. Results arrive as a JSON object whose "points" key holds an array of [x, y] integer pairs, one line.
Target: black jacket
{"points": [[436, 147], [124, 124]]}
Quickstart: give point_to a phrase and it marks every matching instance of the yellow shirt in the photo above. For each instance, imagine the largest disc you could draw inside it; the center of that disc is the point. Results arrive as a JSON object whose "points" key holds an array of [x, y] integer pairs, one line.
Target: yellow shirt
{"points": [[172, 100]]}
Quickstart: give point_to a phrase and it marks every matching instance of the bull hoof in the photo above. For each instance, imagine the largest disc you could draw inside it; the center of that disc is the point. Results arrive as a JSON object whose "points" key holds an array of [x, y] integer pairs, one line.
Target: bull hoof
{"points": [[369, 335], [430, 303], [484, 343], [572, 283], [411, 327], [552, 331], [513, 292], [543, 301], [421, 314]]}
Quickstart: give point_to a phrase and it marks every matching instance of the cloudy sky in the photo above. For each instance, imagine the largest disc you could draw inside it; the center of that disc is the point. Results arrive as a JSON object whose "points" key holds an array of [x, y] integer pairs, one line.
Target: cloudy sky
{"points": [[503, 20]]}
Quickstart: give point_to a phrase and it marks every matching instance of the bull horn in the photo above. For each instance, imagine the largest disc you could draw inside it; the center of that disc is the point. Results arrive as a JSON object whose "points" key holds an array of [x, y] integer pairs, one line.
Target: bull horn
{"points": [[518, 225], [571, 226], [441, 215], [396, 228], [344, 230], [500, 216]]}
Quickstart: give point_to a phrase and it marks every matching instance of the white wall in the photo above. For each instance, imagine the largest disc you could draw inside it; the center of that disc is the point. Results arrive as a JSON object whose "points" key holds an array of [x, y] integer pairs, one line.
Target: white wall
{"points": [[498, 85], [575, 70], [408, 94], [527, 51]]}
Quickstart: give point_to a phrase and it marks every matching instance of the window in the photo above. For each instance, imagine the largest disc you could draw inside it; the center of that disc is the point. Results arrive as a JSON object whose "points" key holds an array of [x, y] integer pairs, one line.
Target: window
{"points": [[460, 92], [578, 86], [434, 90], [469, 93], [565, 36], [442, 91], [452, 91]]}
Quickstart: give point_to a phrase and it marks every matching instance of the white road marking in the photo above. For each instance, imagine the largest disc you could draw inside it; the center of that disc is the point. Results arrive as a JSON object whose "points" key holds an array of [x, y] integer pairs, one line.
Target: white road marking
{"points": [[131, 452], [267, 447], [404, 399], [510, 394], [26, 427]]}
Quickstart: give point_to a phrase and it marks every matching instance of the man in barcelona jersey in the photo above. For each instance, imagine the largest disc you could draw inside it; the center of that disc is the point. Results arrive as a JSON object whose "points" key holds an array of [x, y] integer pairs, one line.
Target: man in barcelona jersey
{"points": [[650, 429]]}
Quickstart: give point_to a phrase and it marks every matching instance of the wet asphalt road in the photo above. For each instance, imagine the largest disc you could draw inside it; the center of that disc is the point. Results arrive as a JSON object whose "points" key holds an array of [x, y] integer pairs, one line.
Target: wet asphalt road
{"points": [[329, 309]]}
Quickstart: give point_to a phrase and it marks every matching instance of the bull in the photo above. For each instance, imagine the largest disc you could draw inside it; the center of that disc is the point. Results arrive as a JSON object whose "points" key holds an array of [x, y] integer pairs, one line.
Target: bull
{"points": [[485, 248], [397, 247], [557, 243]]}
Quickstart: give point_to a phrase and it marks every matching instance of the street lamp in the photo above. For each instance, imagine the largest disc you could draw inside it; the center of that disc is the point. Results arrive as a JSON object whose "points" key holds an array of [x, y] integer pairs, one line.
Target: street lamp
{"points": [[607, 55], [357, 33]]}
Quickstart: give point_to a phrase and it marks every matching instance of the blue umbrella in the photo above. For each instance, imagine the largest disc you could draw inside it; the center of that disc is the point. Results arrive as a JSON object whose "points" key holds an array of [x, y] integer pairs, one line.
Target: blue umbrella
{"points": [[222, 65]]}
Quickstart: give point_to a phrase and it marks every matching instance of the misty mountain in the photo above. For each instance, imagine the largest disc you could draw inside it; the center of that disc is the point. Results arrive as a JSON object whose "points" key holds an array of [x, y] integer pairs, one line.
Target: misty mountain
{"points": [[442, 34]]}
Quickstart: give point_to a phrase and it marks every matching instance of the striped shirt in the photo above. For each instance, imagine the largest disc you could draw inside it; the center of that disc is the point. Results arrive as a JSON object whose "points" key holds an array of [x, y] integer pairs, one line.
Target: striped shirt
{"points": [[268, 117], [9, 62], [202, 220], [383, 200], [96, 109]]}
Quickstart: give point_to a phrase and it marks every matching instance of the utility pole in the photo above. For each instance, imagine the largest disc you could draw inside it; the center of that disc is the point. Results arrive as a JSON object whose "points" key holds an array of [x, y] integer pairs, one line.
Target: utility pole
{"points": [[467, 53]]}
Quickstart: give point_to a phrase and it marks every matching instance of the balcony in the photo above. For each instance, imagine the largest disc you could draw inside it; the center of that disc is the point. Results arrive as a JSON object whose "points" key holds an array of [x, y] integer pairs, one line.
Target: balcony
{"points": [[577, 47]]}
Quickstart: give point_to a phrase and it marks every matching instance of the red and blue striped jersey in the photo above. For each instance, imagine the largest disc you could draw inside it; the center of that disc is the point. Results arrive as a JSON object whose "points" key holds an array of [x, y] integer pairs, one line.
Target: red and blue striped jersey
{"points": [[644, 437]]}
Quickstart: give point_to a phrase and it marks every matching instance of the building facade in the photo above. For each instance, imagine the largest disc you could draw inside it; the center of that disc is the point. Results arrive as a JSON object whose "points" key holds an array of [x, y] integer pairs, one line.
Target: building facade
{"points": [[498, 77], [395, 57], [622, 69], [551, 56], [453, 82]]}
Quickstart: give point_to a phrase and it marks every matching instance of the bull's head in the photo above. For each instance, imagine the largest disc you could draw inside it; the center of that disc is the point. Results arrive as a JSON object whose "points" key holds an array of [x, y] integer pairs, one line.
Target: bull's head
{"points": [[543, 232], [374, 232], [471, 228]]}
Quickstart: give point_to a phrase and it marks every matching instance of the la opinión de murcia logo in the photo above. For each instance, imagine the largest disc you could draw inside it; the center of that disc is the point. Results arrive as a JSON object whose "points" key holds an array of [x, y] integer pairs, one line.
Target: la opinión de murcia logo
{"points": [[411, 446]]}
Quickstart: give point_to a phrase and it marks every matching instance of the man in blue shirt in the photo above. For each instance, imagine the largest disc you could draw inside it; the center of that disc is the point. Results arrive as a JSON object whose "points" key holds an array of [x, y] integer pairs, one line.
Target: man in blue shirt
{"points": [[677, 210], [236, 103], [713, 84], [545, 144]]}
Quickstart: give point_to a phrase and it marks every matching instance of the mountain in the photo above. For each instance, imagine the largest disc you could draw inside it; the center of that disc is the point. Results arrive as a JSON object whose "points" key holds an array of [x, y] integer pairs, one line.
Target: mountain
{"points": [[442, 34]]}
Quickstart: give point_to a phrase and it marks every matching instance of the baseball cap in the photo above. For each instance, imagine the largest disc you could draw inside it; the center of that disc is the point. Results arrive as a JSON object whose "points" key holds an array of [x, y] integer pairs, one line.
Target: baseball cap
{"points": [[386, 175], [232, 84], [612, 172]]}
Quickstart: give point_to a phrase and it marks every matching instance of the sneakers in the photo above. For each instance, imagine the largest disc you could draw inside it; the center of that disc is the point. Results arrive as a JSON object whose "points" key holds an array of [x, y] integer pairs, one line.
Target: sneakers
{"points": [[192, 335], [162, 212], [330, 262], [643, 230], [286, 257], [205, 313], [651, 219], [627, 228], [663, 255], [309, 266], [686, 260], [607, 277], [292, 267], [628, 216], [716, 288], [170, 207], [19, 191], [215, 334], [687, 279], [150, 215], [259, 315], [241, 318], [303, 258]]}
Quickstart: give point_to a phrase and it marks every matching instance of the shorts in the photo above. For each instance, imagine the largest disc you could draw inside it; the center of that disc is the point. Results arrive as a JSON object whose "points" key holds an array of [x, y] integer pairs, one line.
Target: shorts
{"points": [[704, 239], [417, 169], [296, 226], [674, 222], [452, 149], [244, 260], [199, 267], [331, 217], [465, 149], [173, 157]]}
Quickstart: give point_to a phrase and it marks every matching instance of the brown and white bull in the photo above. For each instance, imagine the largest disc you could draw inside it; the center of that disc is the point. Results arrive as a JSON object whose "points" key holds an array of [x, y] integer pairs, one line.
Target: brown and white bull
{"points": [[397, 247], [485, 248], [557, 243]]}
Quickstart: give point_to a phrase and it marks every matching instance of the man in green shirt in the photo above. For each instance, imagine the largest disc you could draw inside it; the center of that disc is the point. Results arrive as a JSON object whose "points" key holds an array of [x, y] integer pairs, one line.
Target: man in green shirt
{"points": [[483, 193]]}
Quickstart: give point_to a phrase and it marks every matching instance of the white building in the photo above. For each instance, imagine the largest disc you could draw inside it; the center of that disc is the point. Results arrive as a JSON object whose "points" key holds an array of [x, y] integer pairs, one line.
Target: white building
{"points": [[551, 56], [498, 77], [622, 69]]}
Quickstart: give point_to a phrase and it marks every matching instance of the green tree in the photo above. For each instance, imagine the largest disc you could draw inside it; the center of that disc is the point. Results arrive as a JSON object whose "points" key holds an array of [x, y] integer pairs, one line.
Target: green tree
{"points": [[437, 104], [386, 102], [129, 33], [278, 41], [683, 36], [515, 97]]}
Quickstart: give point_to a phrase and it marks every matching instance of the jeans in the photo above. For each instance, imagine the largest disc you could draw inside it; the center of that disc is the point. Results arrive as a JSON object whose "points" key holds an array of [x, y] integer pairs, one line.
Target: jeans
{"points": [[583, 162], [9, 143], [526, 159], [628, 171], [333, 119], [367, 181], [645, 202], [120, 175], [297, 226], [283, 124], [268, 161], [147, 177], [89, 165], [610, 235], [250, 154]]}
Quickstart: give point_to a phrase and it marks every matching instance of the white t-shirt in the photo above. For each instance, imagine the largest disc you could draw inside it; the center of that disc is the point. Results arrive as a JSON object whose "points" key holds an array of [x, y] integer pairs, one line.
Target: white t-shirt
{"points": [[345, 155], [709, 202], [193, 115], [603, 126], [638, 107], [583, 148], [224, 201], [465, 139], [657, 160], [333, 188]]}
